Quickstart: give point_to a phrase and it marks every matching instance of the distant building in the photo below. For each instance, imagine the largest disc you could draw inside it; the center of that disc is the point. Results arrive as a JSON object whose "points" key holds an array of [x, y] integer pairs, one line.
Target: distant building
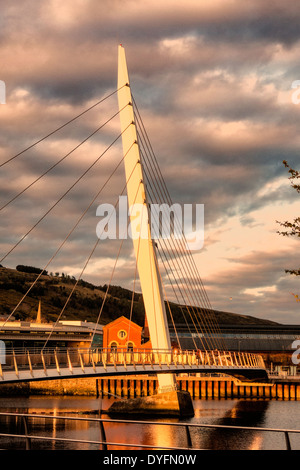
{"points": [[72, 334], [125, 334]]}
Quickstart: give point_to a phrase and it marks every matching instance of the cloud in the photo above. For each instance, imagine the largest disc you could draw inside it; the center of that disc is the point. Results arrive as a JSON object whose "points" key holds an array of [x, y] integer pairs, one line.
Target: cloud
{"points": [[212, 81]]}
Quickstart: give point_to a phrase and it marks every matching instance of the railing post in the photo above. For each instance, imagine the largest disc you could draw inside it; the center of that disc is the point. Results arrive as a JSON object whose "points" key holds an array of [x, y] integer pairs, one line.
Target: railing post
{"points": [[56, 362], [29, 362], [188, 436], [214, 358], [143, 358], [201, 357], [43, 361], [81, 361], [104, 359], [287, 440], [123, 356], [248, 359], [220, 359], [28, 440], [226, 360], [207, 358], [133, 359], [242, 359], [102, 430], [69, 362], [15, 364], [175, 359], [114, 359], [93, 362]]}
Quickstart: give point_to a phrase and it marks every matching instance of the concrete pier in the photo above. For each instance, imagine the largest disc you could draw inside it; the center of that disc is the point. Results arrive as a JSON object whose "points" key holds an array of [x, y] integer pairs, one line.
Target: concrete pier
{"points": [[171, 404]]}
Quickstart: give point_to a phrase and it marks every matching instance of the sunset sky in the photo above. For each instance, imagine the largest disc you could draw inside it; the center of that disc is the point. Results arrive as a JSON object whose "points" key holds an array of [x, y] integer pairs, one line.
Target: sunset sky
{"points": [[213, 83]]}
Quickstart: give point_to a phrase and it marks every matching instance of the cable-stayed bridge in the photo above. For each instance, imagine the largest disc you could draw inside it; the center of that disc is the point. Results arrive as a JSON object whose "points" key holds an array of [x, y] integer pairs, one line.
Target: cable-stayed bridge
{"points": [[84, 362], [164, 267]]}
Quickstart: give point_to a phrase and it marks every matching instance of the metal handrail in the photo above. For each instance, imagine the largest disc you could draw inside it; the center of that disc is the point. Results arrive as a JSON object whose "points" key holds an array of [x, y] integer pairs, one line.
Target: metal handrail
{"points": [[57, 357], [29, 437]]}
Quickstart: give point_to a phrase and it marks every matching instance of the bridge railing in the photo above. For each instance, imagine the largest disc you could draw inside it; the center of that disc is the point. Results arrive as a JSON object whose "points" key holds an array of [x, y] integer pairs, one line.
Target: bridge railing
{"points": [[33, 359], [31, 435]]}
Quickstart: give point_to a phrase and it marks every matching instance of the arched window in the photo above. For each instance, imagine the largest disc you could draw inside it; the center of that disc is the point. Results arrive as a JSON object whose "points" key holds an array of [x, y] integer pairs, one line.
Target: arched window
{"points": [[113, 345], [130, 346]]}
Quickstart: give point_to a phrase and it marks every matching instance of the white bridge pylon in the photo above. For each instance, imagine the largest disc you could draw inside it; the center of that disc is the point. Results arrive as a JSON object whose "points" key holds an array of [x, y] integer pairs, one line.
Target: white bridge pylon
{"points": [[144, 246]]}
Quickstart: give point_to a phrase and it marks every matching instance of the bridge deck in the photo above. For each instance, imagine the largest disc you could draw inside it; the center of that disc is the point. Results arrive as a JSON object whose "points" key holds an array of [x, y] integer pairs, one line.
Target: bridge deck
{"points": [[32, 365]]}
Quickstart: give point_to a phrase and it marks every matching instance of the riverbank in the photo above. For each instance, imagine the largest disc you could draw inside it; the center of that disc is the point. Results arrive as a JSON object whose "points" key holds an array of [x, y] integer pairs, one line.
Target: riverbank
{"points": [[141, 386]]}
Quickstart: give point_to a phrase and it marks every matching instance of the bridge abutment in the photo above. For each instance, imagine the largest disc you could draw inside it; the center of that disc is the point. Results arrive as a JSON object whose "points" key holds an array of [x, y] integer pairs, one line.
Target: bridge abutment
{"points": [[177, 403]]}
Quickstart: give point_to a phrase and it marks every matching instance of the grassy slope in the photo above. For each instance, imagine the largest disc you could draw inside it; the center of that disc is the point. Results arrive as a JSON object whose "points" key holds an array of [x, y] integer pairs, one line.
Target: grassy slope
{"points": [[85, 303]]}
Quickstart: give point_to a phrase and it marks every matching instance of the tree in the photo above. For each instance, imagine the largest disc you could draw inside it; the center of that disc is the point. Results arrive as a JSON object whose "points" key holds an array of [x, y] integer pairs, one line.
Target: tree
{"points": [[30, 269], [293, 227]]}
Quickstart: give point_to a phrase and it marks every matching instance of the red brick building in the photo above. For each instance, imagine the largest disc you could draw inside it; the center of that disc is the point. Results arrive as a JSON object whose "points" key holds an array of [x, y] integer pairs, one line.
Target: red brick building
{"points": [[123, 333]]}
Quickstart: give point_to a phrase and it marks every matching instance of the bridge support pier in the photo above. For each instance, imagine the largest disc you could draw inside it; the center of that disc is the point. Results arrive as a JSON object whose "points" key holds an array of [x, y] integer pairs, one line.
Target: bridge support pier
{"points": [[175, 403]]}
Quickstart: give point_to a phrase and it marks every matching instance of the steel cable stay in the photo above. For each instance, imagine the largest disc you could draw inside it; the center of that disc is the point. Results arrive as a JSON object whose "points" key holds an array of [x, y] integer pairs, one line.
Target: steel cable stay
{"points": [[175, 285], [81, 274], [60, 161], [115, 264], [165, 190], [168, 304], [151, 172], [193, 291], [190, 293], [183, 290], [188, 277], [175, 288], [176, 254], [135, 276], [144, 136], [61, 127], [178, 287], [189, 302], [153, 200], [63, 195], [172, 270], [66, 238]]}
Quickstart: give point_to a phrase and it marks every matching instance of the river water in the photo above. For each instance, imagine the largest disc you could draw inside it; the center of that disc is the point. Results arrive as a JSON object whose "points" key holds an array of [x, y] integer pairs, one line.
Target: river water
{"points": [[238, 412]]}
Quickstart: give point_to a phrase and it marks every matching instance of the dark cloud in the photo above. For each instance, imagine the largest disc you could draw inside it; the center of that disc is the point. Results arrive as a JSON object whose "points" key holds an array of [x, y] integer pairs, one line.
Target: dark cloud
{"points": [[213, 84]]}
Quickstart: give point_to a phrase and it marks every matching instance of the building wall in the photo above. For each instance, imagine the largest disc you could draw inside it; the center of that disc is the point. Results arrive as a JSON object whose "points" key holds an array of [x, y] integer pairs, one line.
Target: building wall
{"points": [[122, 333]]}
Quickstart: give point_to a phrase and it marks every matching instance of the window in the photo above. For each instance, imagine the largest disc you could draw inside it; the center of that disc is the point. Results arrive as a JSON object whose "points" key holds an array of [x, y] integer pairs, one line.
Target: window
{"points": [[122, 334], [130, 346], [113, 345]]}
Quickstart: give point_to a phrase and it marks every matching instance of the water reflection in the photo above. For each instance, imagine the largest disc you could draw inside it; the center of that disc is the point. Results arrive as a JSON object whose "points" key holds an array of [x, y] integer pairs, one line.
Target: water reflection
{"points": [[242, 413], [255, 413]]}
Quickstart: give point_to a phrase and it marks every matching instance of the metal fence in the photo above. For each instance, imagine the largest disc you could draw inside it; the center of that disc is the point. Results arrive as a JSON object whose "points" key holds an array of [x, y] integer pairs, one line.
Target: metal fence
{"points": [[33, 359], [104, 443]]}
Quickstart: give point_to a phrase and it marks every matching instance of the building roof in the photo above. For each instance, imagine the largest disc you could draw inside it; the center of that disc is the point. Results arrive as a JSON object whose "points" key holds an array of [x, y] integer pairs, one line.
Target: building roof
{"points": [[122, 319]]}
